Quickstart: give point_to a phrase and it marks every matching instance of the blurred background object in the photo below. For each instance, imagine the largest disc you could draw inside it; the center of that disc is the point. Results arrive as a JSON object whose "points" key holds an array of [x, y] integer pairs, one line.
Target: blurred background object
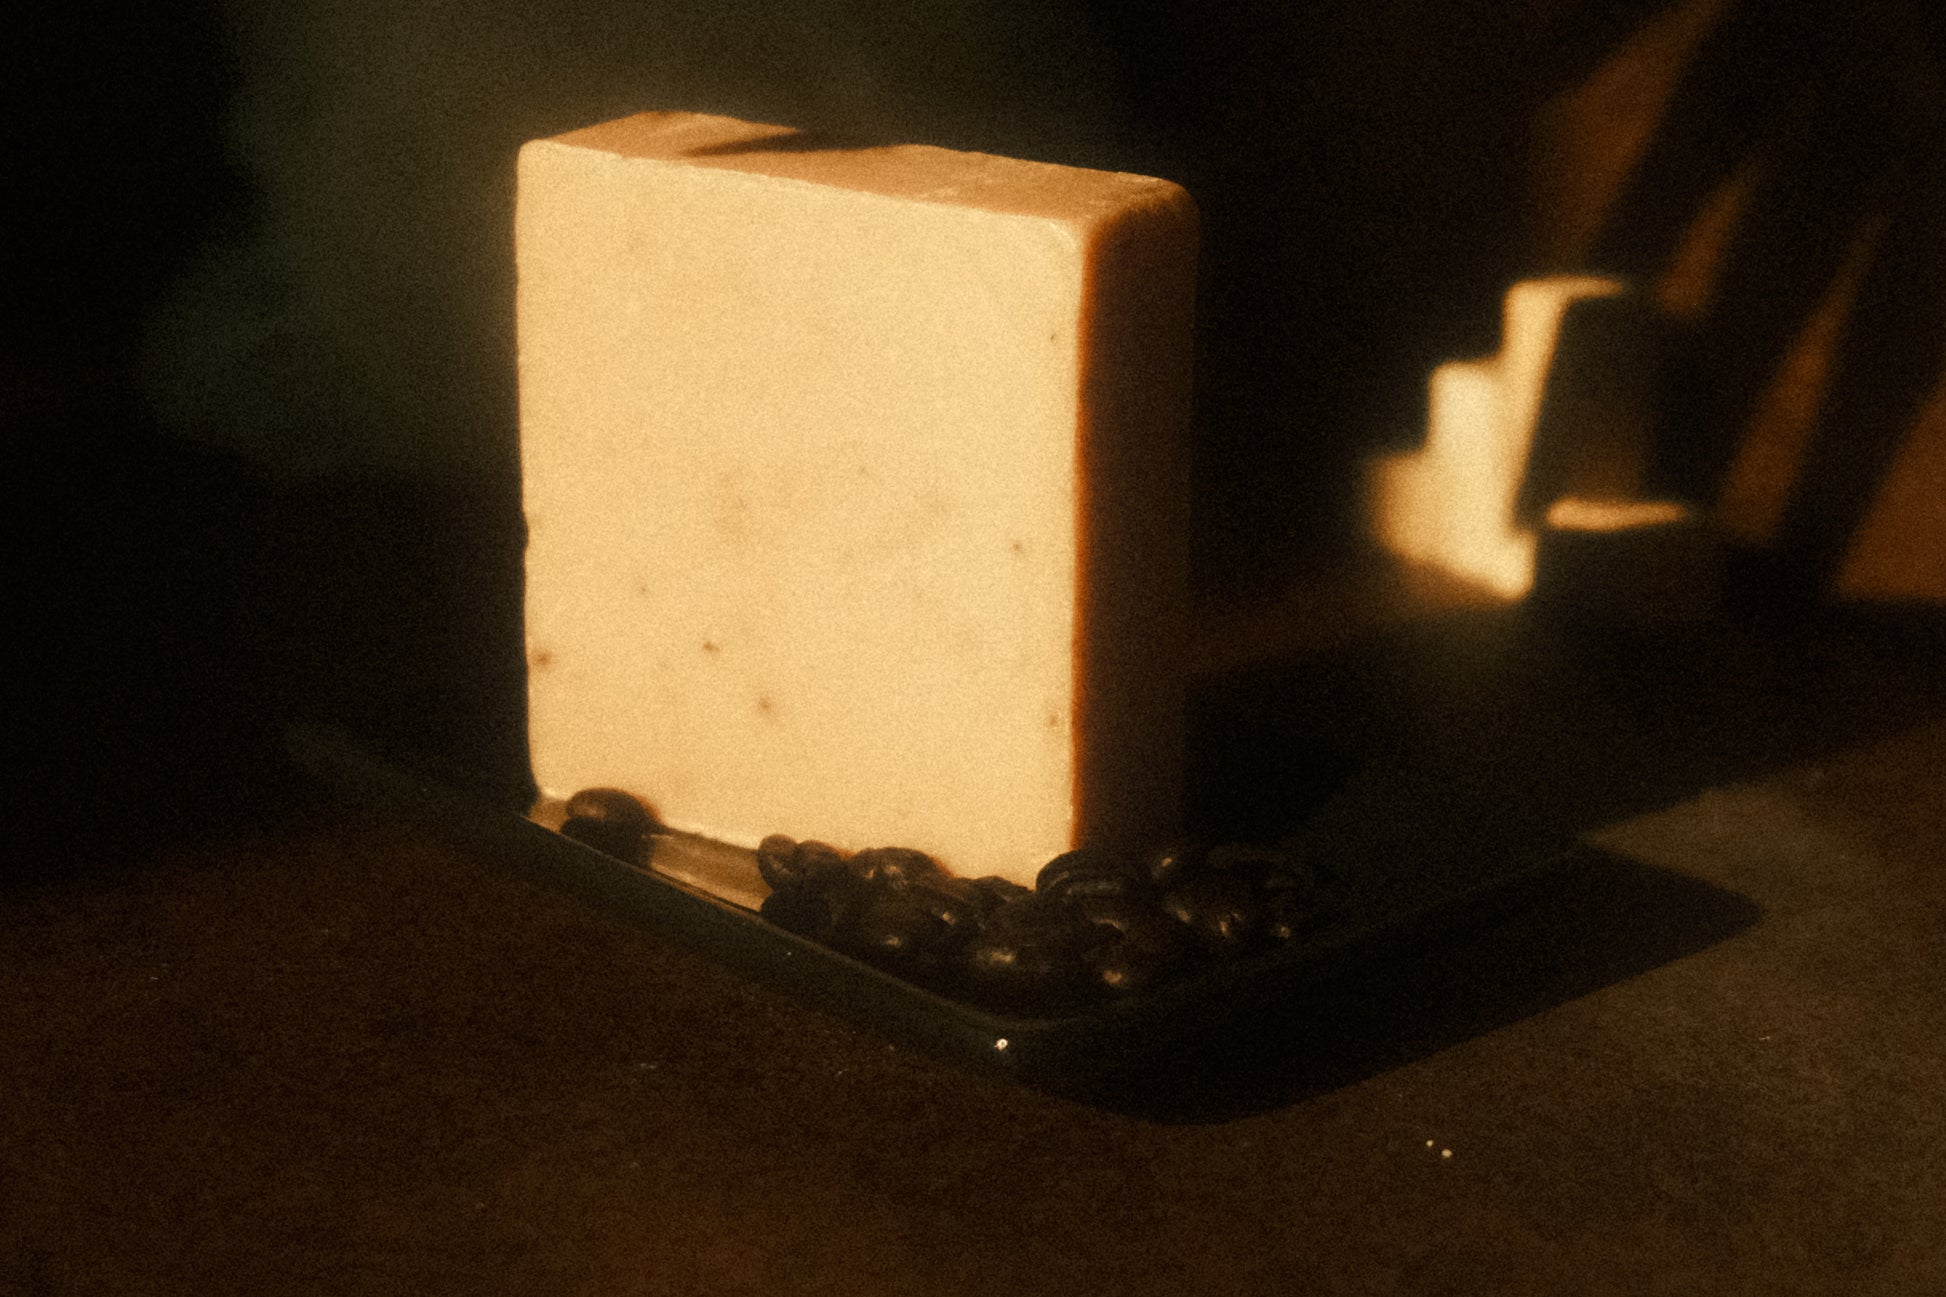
{"points": [[1777, 173]]}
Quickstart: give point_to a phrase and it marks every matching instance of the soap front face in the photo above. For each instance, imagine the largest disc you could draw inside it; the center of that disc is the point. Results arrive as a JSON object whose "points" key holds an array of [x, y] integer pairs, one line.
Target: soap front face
{"points": [[856, 488]]}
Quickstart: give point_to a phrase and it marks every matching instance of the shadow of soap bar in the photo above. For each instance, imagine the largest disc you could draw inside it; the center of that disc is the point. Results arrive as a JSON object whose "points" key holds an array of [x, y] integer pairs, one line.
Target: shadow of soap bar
{"points": [[856, 487]]}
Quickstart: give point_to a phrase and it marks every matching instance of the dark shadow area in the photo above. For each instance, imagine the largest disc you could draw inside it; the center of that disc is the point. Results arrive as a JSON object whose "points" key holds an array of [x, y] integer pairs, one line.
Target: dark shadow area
{"points": [[199, 607], [115, 122], [1463, 754], [797, 141], [1608, 351], [142, 688], [1590, 921], [409, 630], [1487, 736]]}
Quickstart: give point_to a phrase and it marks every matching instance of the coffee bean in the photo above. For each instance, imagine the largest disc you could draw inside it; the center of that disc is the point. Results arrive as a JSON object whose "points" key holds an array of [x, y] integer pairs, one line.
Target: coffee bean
{"points": [[952, 901], [802, 910], [891, 928], [1144, 925], [609, 820], [1029, 953], [817, 862], [777, 861], [1221, 908], [784, 862], [1020, 970], [610, 806], [1040, 916], [894, 866], [1126, 967], [1174, 864], [1139, 946], [1088, 872], [1116, 914], [992, 891]]}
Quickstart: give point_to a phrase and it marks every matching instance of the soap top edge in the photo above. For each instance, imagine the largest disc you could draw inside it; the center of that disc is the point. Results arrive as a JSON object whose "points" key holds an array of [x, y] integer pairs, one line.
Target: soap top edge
{"points": [[915, 172]]}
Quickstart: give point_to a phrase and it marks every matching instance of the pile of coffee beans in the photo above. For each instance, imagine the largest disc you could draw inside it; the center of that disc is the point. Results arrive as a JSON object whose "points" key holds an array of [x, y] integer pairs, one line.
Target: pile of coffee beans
{"points": [[1096, 925]]}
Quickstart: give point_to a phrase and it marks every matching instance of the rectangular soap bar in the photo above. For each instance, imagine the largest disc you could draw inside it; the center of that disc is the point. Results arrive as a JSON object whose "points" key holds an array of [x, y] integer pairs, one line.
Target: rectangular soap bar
{"points": [[856, 487]]}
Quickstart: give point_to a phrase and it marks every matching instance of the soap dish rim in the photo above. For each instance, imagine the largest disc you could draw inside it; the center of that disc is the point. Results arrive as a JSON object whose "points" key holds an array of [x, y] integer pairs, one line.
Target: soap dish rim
{"points": [[1073, 1052]]}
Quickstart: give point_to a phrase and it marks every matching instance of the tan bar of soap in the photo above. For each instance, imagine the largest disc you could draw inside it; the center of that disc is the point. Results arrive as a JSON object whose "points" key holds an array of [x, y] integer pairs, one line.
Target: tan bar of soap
{"points": [[856, 487]]}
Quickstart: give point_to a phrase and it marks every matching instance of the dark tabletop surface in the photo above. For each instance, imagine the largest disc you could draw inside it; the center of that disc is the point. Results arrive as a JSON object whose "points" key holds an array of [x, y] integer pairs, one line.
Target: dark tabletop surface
{"points": [[325, 1048]]}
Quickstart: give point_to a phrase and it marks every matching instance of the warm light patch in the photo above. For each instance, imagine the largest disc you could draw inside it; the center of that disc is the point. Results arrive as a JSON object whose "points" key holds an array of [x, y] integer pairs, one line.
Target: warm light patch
{"points": [[1573, 514], [1899, 552], [1451, 504]]}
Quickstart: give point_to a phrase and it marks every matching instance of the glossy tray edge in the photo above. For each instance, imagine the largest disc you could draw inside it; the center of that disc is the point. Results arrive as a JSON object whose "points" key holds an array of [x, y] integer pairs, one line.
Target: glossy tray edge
{"points": [[1068, 1053]]}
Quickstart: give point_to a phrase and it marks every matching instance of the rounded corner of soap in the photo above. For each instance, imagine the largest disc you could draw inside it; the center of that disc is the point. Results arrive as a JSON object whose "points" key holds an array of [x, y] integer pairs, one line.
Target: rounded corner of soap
{"points": [[1174, 197], [1159, 212], [531, 156]]}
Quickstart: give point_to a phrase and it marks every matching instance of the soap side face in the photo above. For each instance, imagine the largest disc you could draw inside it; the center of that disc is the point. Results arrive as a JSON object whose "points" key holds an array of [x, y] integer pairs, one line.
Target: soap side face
{"points": [[1133, 519], [806, 470]]}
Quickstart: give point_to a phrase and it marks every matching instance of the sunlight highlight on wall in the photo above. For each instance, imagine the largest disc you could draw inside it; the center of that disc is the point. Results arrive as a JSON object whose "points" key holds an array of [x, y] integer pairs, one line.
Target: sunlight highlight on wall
{"points": [[1451, 504]]}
